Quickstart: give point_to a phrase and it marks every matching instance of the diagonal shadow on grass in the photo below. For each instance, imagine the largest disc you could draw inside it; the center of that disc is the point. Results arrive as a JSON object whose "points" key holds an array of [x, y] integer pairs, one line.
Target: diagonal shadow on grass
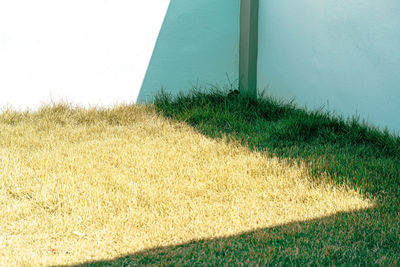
{"points": [[329, 240], [350, 152]]}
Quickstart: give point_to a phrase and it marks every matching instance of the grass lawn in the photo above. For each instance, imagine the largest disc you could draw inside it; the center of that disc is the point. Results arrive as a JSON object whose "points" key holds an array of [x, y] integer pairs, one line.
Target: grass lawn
{"points": [[203, 179]]}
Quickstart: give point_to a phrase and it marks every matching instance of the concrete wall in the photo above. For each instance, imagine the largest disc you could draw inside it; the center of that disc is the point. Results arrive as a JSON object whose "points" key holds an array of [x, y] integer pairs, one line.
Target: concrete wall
{"points": [[343, 54], [340, 54], [198, 45], [88, 52], [97, 52]]}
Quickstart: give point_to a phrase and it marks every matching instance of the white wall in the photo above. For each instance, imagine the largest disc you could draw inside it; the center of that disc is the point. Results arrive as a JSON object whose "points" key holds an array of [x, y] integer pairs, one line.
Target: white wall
{"points": [[344, 54], [198, 45], [88, 52], [97, 52]]}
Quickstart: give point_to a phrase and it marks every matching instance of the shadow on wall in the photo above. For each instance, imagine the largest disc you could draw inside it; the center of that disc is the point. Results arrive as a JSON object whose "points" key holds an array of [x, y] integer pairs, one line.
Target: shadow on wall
{"points": [[198, 44]]}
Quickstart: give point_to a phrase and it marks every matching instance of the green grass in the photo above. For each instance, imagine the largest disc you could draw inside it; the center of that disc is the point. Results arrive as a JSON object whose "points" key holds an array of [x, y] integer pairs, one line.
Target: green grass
{"points": [[348, 151], [345, 152], [201, 179]]}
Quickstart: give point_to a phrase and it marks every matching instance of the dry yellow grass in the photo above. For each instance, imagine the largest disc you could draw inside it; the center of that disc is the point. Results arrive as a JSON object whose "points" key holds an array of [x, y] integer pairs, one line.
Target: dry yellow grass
{"points": [[79, 185]]}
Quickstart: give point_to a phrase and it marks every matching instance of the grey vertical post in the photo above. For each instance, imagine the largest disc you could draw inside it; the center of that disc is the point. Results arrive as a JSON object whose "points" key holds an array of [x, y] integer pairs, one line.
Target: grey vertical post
{"points": [[248, 47]]}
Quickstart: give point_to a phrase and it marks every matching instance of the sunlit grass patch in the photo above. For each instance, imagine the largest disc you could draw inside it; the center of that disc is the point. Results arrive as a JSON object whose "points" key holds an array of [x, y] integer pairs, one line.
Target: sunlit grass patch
{"points": [[87, 184], [345, 151]]}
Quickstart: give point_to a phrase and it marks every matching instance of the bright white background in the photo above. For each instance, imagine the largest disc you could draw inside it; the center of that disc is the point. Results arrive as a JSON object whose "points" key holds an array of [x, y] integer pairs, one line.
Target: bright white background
{"points": [[88, 52]]}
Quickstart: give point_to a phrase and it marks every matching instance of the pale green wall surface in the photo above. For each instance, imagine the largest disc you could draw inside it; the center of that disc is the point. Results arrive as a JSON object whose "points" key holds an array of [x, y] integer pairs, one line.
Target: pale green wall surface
{"points": [[198, 45], [343, 54]]}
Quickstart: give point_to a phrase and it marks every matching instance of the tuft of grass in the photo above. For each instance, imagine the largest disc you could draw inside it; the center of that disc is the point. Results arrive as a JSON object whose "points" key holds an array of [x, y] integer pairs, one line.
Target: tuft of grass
{"points": [[191, 181]]}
